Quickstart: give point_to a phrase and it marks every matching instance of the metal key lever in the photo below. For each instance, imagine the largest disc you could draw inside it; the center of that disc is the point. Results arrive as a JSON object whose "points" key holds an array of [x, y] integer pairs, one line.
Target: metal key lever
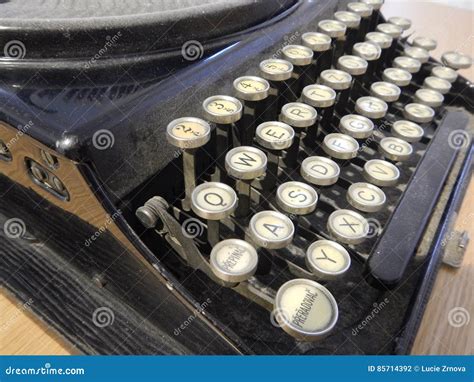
{"points": [[154, 212]]}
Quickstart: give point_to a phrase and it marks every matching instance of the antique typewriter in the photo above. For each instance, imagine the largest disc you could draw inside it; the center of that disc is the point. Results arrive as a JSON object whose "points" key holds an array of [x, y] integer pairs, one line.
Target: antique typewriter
{"points": [[280, 183]]}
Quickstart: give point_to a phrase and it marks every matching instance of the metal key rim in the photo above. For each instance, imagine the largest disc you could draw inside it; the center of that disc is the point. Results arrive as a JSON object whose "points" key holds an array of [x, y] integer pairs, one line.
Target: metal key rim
{"points": [[301, 60], [192, 143], [294, 209], [306, 98], [274, 145], [256, 96], [320, 180], [356, 133], [213, 215], [264, 242], [222, 119], [395, 156], [316, 46], [366, 207], [341, 236], [302, 123], [325, 274], [276, 76], [300, 333], [245, 174], [378, 181], [397, 133], [339, 153]]}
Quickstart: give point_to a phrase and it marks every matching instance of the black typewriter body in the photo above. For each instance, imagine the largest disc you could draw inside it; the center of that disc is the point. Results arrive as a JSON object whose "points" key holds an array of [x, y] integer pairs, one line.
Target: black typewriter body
{"points": [[88, 148]]}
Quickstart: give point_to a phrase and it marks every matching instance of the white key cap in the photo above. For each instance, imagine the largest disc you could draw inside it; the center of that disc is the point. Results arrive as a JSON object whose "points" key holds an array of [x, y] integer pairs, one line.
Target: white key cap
{"points": [[429, 97], [386, 91], [233, 260], [356, 126], [416, 112], [348, 227], [371, 107], [397, 76], [425, 43], [381, 39], [320, 171], [367, 50], [305, 309], [407, 130], [438, 84], [402, 22], [445, 73], [213, 200], [274, 135], [222, 109], [317, 42], [335, 79], [411, 65], [319, 96], [275, 69], [381, 173], [327, 259], [297, 54], [419, 54], [333, 28], [354, 65], [271, 229], [456, 60], [296, 198], [395, 149], [340, 146], [251, 88], [366, 197], [245, 162]]}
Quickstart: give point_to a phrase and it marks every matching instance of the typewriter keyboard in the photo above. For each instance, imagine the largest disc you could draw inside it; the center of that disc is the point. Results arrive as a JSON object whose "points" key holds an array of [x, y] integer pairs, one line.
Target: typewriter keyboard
{"points": [[285, 187]]}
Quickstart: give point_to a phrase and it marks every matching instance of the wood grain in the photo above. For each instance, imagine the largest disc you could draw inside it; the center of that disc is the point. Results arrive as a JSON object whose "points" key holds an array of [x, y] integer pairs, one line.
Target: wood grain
{"points": [[22, 333]]}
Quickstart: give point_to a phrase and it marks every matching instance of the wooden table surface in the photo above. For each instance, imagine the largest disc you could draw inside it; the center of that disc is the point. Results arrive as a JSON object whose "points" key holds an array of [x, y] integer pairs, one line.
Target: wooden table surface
{"points": [[22, 333]]}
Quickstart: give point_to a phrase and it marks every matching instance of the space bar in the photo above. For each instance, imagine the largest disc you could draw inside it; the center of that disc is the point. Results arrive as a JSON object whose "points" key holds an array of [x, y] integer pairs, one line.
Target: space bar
{"points": [[402, 233]]}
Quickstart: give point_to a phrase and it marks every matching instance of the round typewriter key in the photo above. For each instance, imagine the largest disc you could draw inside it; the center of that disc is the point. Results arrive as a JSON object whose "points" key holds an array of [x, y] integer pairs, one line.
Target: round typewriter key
{"points": [[323, 98], [425, 43], [336, 79], [456, 60], [327, 259], [319, 96], [366, 197], [395, 149], [411, 65], [350, 19], [401, 22], [419, 54], [364, 11], [371, 107], [438, 84], [340, 146], [300, 116], [253, 91], [356, 126], [445, 73], [233, 260], [339, 81], [320, 44], [381, 39], [274, 69], [337, 31], [213, 201], [222, 109], [271, 230], [392, 30], [381, 173], [274, 136], [188, 134], [348, 227], [305, 309], [333, 28], [354, 65], [407, 130], [371, 53], [320, 171], [386, 91], [298, 55], [396, 76], [416, 112], [375, 4], [251, 88], [317, 42], [296, 198], [278, 73], [367, 50], [245, 163], [428, 97]]}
